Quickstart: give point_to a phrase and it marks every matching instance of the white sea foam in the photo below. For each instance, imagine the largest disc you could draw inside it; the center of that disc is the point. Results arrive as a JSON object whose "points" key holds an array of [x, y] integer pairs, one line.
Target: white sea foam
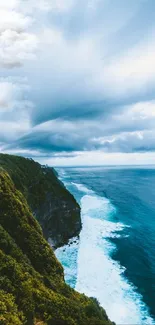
{"points": [[89, 265], [100, 276], [96, 206], [82, 188], [67, 255]]}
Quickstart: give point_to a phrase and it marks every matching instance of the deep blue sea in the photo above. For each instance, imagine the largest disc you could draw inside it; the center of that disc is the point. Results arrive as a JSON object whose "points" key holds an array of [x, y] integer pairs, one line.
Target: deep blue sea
{"points": [[114, 258]]}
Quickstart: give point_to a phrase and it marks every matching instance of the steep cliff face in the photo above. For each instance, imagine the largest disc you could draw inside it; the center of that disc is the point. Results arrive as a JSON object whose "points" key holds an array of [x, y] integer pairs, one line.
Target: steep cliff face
{"points": [[32, 287], [53, 206]]}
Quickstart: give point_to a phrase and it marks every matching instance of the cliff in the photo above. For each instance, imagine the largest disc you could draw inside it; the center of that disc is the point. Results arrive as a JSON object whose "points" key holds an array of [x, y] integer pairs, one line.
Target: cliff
{"points": [[53, 206], [32, 287]]}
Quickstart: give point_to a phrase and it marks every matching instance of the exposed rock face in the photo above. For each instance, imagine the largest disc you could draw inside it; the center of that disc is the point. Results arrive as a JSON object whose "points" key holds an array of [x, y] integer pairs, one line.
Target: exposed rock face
{"points": [[32, 286], [53, 206], [59, 218]]}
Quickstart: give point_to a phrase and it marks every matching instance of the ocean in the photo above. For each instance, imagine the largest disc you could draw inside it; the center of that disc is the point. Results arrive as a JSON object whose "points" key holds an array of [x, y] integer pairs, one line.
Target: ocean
{"points": [[114, 257]]}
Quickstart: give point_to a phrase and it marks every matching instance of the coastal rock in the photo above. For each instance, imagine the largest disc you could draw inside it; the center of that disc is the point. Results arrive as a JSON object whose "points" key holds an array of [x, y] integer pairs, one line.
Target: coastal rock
{"points": [[51, 203], [32, 286]]}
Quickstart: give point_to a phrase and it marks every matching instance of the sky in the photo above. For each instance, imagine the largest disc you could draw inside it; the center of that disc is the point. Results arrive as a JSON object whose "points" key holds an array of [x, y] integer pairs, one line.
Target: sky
{"points": [[77, 81]]}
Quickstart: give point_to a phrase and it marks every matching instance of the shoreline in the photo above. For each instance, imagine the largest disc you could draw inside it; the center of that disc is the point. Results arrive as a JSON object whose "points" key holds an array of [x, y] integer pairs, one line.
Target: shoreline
{"points": [[134, 304]]}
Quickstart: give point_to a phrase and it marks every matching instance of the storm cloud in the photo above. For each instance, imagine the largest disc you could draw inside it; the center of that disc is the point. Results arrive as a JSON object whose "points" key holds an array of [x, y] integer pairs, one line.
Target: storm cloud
{"points": [[77, 77]]}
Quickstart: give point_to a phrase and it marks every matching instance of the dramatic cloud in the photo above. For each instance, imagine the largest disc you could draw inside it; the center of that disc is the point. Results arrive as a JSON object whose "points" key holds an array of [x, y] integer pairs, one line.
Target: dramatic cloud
{"points": [[14, 107], [78, 78], [16, 44]]}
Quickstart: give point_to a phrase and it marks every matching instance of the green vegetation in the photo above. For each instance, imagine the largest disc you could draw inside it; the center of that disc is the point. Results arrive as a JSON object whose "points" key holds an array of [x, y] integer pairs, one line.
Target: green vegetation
{"points": [[53, 206], [32, 287]]}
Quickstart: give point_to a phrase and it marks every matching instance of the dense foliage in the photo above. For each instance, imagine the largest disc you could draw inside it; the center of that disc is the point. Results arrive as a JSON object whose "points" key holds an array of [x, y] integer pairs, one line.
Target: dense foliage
{"points": [[54, 207], [32, 287], [33, 180]]}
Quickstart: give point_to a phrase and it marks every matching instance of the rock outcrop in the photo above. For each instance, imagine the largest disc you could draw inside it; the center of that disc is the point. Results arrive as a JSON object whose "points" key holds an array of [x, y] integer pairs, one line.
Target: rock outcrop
{"points": [[32, 286], [53, 206]]}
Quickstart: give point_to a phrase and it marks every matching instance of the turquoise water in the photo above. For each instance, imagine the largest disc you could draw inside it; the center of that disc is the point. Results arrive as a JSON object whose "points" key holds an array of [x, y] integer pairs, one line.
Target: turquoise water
{"points": [[114, 258]]}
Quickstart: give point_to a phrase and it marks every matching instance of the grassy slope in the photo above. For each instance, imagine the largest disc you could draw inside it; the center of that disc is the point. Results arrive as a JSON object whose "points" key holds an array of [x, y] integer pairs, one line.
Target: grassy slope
{"points": [[33, 180], [32, 287], [53, 205]]}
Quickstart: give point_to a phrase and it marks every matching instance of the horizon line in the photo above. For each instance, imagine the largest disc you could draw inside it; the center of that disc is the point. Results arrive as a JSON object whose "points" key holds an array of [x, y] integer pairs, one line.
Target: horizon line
{"points": [[116, 165]]}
